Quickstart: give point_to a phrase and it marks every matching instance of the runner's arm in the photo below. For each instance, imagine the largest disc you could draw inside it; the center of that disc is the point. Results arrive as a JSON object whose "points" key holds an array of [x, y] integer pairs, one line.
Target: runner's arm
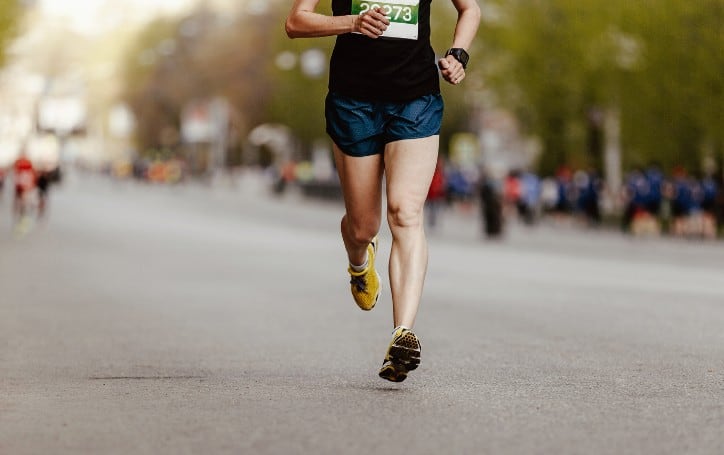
{"points": [[465, 30], [468, 21], [304, 22]]}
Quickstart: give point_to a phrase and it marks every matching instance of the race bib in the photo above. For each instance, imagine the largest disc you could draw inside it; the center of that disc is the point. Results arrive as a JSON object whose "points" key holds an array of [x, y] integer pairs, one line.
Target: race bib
{"points": [[403, 16]]}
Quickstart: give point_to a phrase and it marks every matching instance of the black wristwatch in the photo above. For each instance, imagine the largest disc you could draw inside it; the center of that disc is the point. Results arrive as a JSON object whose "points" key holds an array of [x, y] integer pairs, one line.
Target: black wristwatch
{"points": [[460, 55]]}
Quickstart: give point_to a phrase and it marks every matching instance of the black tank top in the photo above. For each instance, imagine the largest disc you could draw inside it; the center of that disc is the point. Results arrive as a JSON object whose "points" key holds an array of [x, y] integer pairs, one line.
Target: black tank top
{"points": [[384, 69]]}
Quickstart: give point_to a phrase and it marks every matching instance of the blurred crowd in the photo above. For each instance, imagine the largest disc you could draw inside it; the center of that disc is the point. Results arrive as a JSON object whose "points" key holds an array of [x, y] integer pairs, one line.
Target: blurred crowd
{"points": [[680, 204], [650, 202], [161, 171]]}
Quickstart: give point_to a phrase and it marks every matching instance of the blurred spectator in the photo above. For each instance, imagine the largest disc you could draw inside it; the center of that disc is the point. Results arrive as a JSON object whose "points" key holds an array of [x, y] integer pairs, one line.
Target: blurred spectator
{"points": [[565, 188], [705, 197], [637, 199], [512, 191], [140, 168], [588, 189], [708, 194], [549, 194], [719, 203], [491, 205], [655, 179], [436, 194], [683, 202], [521, 192], [530, 196], [459, 187], [512, 187]]}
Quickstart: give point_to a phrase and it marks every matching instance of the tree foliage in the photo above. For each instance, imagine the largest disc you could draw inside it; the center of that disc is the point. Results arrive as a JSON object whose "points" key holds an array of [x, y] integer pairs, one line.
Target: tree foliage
{"points": [[672, 104], [297, 99], [199, 57], [559, 63], [9, 15]]}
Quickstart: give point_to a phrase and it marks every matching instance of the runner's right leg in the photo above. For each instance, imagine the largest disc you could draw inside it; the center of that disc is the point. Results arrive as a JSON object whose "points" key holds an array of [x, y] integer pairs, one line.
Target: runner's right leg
{"points": [[361, 180]]}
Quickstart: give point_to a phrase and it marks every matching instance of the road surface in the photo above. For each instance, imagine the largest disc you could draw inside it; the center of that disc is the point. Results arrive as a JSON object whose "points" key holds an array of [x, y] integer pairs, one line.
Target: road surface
{"points": [[146, 319]]}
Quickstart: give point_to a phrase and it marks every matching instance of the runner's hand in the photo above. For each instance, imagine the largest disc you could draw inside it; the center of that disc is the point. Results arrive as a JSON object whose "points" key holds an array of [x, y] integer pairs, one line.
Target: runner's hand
{"points": [[452, 70], [371, 23]]}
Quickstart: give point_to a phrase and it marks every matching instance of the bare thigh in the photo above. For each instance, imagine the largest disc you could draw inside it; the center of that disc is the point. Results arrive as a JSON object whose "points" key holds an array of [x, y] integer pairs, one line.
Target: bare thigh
{"points": [[361, 180], [409, 166]]}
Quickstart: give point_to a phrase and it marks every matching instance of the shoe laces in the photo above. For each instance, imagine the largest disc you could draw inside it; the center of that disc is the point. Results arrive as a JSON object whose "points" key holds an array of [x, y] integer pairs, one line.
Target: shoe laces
{"points": [[359, 282]]}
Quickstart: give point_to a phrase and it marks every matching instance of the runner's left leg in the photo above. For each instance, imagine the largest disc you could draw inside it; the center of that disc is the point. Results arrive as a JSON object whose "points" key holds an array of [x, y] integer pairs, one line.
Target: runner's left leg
{"points": [[409, 166]]}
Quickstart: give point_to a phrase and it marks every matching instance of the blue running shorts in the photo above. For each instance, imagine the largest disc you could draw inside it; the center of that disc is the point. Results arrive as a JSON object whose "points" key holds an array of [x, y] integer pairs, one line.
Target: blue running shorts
{"points": [[363, 128]]}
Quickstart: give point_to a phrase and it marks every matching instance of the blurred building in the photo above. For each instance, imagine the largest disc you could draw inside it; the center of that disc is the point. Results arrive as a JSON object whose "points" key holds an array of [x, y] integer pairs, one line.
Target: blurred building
{"points": [[63, 75], [502, 144]]}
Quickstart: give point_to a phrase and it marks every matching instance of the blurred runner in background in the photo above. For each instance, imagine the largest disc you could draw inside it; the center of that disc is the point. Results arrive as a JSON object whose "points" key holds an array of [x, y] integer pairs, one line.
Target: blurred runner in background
{"points": [[24, 179]]}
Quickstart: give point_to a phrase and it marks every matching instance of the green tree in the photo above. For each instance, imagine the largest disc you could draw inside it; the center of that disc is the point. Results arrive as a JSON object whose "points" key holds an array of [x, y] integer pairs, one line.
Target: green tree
{"points": [[297, 99], [658, 63], [9, 16], [145, 90], [671, 106], [199, 57], [552, 66]]}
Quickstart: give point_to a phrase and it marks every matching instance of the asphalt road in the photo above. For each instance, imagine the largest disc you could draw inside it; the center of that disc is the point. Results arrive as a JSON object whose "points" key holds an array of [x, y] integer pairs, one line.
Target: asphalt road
{"points": [[144, 319]]}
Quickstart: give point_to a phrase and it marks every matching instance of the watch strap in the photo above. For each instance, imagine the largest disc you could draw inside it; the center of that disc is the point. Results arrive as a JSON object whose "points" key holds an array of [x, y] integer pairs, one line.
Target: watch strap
{"points": [[460, 55]]}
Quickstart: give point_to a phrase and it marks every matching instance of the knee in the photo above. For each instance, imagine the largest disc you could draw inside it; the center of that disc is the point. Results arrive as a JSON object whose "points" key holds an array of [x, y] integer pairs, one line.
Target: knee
{"points": [[404, 215], [361, 231]]}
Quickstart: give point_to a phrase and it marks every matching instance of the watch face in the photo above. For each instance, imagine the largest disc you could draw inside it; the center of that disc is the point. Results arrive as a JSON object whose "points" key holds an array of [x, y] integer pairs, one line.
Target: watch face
{"points": [[460, 55], [463, 55]]}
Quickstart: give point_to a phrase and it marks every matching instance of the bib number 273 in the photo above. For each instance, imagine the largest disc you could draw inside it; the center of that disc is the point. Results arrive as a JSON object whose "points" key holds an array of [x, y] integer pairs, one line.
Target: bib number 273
{"points": [[403, 16], [396, 13]]}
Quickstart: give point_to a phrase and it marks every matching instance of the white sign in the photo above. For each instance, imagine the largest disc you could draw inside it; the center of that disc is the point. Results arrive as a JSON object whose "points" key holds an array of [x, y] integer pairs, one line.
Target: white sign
{"points": [[61, 115]]}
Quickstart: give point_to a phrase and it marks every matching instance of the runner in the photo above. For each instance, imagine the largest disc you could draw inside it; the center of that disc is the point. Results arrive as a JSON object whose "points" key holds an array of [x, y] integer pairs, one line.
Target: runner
{"points": [[24, 178], [383, 113]]}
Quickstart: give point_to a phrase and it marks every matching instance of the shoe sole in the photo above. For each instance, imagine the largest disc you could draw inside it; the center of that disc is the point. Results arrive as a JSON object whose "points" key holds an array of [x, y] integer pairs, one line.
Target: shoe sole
{"points": [[402, 360], [391, 373]]}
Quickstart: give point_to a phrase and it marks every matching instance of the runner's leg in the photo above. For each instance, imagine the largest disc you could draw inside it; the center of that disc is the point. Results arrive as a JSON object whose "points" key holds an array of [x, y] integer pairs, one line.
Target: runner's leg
{"points": [[409, 166], [361, 179]]}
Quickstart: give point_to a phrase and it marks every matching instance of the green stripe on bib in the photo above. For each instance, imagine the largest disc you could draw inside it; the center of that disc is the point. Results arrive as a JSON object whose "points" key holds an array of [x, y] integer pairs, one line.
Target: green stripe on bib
{"points": [[400, 11]]}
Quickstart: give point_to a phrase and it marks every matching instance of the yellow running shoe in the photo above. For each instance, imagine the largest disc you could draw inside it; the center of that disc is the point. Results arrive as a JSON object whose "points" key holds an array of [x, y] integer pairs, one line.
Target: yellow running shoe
{"points": [[403, 355], [365, 285]]}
